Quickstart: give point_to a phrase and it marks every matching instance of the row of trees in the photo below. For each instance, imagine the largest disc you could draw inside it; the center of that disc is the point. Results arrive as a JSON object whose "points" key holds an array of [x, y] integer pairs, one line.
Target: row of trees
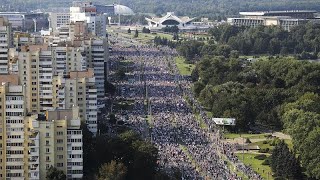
{"points": [[164, 42], [230, 41], [272, 93], [270, 40], [216, 9]]}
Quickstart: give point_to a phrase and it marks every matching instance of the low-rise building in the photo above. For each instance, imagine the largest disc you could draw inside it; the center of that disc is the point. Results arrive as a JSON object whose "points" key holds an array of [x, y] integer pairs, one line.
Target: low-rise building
{"points": [[284, 19]]}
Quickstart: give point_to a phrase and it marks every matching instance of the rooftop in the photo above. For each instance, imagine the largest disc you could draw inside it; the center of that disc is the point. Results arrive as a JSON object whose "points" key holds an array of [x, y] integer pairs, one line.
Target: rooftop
{"points": [[271, 13]]}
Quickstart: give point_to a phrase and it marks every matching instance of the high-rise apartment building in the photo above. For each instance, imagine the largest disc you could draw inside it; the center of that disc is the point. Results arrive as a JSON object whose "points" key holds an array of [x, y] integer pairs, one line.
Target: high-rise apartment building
{"points": [[6, 41], [78, 88], [97, 56], [31, 143], [12, 129], [57, 138], [36, 67]]}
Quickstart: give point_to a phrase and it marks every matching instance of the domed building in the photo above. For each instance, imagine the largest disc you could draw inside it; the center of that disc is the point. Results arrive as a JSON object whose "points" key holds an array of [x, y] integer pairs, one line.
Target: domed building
{"points": [[122, 10], [114, 9]]}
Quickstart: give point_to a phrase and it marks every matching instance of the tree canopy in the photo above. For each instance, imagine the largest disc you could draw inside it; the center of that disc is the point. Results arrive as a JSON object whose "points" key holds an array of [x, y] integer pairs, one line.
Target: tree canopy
{"points": [[55, 174]]}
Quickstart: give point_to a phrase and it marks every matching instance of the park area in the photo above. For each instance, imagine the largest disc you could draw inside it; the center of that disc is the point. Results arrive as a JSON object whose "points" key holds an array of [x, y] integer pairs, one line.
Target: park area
{"points": [[185, 68], [255, 149]]}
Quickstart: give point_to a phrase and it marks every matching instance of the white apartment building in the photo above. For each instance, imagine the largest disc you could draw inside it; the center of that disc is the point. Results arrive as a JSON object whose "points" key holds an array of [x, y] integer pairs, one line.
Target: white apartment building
{"points": [[84, 11], [58, 19]]}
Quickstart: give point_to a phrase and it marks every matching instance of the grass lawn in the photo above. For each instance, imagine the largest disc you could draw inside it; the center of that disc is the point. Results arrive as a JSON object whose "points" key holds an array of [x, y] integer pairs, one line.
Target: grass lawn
{"points": [[209, 114], [233, 169], [264, 146], [184, 68], [263, 170], [235, 135]]}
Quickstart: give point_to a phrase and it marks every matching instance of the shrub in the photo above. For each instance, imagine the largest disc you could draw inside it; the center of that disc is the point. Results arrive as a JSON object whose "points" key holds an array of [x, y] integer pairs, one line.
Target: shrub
{"points": [[265, 142], [260, 157], [266, 162], [274, 142], [248, 140], [266, 150]]}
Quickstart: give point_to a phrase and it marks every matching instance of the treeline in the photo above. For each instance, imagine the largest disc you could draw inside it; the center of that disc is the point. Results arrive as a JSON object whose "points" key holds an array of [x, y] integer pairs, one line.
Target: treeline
{"points": [[302, 39], [125, 156], [273, 93], [165, 42], [215, 9]]}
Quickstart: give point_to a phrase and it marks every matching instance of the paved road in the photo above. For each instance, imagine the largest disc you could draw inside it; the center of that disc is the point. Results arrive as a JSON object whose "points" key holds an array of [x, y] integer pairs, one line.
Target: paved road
{"points": [[160, 92]]}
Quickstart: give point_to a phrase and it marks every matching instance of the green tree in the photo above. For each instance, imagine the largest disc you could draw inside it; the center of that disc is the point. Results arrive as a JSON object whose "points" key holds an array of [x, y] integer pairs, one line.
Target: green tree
{"points": [[112, 171], [284, 164], [55, 174], [88, 151]]}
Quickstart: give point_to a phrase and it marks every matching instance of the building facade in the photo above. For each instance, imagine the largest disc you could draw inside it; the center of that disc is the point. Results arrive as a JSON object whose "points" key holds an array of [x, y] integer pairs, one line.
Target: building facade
{"points": [[78, 88], [12, 131], [283, 19], [60, 142], [6, 41]]}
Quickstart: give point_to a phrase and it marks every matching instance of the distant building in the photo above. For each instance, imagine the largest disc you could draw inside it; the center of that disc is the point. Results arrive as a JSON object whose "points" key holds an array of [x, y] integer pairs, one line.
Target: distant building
{"points": [[171, 20], [24, 21], [114, 9], [58, 19], [87, 12], [284, 19]]}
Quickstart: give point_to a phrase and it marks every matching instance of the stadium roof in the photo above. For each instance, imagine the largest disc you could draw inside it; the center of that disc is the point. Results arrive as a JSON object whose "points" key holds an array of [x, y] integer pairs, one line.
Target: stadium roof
{"points": [[122, 10]]}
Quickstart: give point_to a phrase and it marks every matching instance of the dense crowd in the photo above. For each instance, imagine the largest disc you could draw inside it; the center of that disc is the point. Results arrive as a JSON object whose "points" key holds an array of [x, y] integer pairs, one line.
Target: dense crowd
{"points": [[161, 93]]}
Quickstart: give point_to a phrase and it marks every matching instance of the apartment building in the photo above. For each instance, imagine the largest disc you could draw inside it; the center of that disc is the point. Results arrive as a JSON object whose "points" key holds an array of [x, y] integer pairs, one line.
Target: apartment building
{"points": [[57, 138], [6, 41], [12, 129], [58, 19], [30, 144], [97, 57], [78, 88], [36, 66], [87, 12]]}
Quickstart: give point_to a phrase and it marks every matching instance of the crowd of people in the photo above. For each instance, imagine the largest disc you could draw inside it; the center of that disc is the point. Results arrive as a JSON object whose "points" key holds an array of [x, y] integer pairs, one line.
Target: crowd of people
{"points": [[164, 112]]}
